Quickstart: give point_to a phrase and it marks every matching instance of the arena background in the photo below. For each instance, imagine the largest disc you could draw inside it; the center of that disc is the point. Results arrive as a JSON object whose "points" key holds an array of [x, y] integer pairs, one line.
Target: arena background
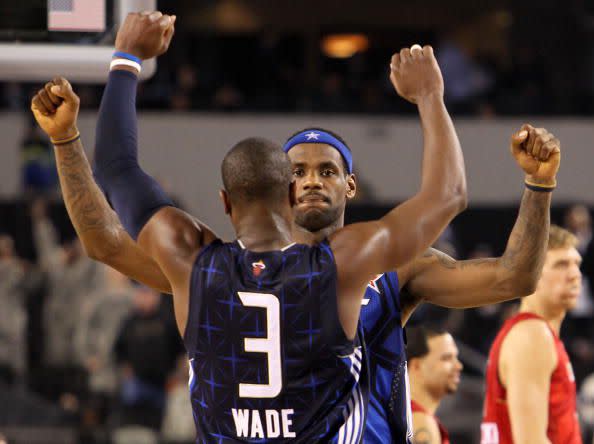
{"points": [[240, 68]]}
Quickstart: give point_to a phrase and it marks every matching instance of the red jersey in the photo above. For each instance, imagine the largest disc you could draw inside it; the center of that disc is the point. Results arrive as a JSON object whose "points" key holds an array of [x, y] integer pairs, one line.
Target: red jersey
{"points": [[445, 436], [563, 426]]}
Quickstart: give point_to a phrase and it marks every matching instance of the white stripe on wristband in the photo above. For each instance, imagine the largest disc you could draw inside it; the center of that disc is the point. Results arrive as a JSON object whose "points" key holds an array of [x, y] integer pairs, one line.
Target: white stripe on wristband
{"points": [[125, 62]]}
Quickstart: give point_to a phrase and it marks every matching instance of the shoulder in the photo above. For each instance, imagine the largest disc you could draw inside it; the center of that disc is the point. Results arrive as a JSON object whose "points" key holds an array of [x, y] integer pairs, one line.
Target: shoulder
{"points": [[529, 345], [529, 333], [426, 429]]}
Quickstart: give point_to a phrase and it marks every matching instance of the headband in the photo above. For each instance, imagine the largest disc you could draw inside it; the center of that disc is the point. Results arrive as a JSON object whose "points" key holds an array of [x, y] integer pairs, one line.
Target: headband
{"points": [[318, 136]]}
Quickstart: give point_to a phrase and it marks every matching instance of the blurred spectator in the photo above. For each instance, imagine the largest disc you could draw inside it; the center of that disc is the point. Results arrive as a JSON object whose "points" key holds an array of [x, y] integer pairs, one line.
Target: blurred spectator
{"points": [[146, 350], [333, 95], [39, 173], [102, 315], [13, 316], [178, 423], [227, 98], [586, 407], [71, 278], [101, 318], [579, 329], [464, 79]]}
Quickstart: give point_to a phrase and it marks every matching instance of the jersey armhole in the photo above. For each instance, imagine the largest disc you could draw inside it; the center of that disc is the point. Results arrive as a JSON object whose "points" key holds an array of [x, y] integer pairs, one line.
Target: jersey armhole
{"points": [[335, 334], [393, 281], [194, 302]]}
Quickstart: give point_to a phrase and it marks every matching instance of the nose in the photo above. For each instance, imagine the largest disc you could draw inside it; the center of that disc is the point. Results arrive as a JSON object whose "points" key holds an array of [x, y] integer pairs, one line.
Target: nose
{"points": [[575, 272], [312, 181], [459, 365]]}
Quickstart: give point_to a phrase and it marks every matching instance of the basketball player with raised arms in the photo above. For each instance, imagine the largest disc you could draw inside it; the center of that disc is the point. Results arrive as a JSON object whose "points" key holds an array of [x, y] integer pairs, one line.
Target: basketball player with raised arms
{"points": [[270, 325], [434, 278], [530, 390]]}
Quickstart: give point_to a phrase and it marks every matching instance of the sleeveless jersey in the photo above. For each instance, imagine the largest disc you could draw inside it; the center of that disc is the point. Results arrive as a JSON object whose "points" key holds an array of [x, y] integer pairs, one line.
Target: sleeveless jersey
{"points": [[445, 436], [389, 418], [563, 426], [269, 360]]}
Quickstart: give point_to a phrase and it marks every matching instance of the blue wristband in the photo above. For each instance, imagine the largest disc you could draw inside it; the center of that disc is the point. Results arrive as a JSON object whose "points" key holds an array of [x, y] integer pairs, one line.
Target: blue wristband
{"points": [[125, 55]]}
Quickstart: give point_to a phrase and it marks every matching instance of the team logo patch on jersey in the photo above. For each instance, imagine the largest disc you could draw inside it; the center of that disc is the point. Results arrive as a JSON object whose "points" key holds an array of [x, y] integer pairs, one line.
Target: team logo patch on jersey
{"points": [[258, 267]]}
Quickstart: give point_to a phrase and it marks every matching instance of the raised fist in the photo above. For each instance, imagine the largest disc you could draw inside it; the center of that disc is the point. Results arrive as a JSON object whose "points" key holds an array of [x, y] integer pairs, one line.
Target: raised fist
{"points": [[55, 108], [415, 73], [145, 34], [538, 153]]}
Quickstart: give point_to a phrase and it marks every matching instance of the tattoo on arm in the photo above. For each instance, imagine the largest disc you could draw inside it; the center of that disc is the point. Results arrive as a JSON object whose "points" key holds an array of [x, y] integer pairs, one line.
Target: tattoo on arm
{"points": [[527, 244], [447, 261], [423, 436], [88, 209]]}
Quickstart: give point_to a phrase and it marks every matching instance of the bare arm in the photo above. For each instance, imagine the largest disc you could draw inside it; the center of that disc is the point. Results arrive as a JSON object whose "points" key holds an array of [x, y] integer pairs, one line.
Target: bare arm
{"points": [[97, 226], [45, 239], [526, 364], [425, 429], [439, 279], [363, 250]]}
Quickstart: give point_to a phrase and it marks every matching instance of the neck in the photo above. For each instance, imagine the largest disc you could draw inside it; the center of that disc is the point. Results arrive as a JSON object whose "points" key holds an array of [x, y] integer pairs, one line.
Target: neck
{"points": [[422, 396], [263, 228], [554, 317], [303, 236]]}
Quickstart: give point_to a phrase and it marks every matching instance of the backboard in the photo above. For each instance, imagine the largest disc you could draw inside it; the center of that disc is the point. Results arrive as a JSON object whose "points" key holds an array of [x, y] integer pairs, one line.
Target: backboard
{"points": [[73, 38]]}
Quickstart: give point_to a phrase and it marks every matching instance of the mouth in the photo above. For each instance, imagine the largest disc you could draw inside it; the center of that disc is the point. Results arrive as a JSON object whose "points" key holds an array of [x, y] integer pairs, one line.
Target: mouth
{"points": [[313, 199]]}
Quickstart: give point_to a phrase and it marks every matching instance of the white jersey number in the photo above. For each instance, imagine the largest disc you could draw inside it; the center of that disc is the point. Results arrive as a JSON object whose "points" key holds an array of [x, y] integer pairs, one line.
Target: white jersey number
{"points": [[269, 345]]}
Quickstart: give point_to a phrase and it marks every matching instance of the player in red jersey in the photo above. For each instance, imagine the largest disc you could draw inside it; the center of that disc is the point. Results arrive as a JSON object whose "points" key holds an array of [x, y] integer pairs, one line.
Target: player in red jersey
{"points": [[434, 371], [531, 393]]}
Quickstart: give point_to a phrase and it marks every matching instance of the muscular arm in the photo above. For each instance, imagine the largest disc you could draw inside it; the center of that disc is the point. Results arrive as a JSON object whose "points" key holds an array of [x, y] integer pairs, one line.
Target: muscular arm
{"points": [[166, 234], [425, 429], [526, 364], [97, 226], [441, 280], [366, 249]]}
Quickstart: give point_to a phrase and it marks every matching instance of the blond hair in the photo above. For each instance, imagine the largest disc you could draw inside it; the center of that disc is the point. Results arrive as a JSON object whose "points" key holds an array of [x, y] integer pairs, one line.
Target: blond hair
{"points": [[561, 238]]}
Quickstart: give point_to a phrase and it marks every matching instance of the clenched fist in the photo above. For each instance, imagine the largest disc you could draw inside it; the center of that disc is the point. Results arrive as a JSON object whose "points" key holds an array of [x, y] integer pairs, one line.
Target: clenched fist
{"points": [[55, 108], [538, 153], [415, 73], [145, 34]]}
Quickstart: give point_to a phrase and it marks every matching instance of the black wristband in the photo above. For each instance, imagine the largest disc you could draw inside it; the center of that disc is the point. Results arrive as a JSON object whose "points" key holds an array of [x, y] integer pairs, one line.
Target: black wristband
{"points": [[539, 189], [65, 142]]}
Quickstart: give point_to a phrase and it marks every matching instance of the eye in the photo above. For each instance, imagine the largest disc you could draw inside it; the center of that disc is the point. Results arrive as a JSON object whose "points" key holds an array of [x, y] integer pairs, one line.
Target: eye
{"points": [[328, 172], [298, 172]]}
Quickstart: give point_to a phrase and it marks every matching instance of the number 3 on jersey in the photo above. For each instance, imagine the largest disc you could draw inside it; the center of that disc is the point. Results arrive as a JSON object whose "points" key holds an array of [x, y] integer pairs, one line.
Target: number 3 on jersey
{"points": [[269, 345]]}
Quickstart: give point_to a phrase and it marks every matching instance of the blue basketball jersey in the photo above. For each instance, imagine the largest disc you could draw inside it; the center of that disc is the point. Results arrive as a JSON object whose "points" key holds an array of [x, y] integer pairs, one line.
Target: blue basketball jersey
{"points": [[269, 360], [389, 418]]}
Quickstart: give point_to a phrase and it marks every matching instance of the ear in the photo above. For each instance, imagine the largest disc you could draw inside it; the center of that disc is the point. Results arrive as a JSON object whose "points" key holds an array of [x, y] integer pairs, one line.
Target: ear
{"points": [[351, 190], [226, 201], [414, 365], [293, 194]]}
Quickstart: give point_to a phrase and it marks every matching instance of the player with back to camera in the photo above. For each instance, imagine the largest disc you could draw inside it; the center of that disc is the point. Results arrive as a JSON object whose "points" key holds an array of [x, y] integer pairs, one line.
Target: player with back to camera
{"points": [[274, 351], [434, 278]]}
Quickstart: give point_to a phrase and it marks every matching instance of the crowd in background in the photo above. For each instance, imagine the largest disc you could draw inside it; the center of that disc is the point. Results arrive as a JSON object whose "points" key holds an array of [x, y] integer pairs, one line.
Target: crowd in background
{"points": [[271, 72]]}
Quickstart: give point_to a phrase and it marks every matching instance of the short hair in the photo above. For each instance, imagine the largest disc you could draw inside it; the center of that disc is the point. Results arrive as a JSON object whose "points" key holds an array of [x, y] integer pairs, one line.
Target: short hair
{"points": [[417, 339], [333, 134], [256, 169], [561, 238]]}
